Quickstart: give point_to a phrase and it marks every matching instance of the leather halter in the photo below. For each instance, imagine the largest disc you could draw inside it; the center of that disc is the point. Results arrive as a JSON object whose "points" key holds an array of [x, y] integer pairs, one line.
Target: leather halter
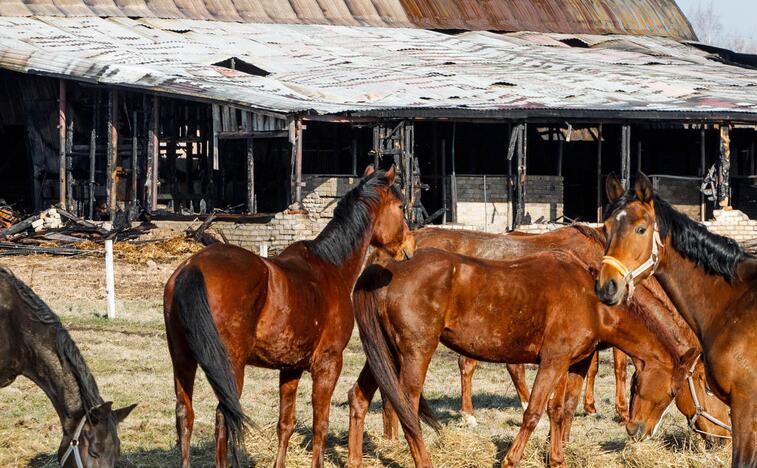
{"points": [[630, 275], [73, 446], [699, 411]]}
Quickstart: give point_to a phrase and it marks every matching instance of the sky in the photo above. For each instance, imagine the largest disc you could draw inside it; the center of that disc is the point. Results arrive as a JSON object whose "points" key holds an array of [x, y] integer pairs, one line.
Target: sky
{"points": [[739, 15]]}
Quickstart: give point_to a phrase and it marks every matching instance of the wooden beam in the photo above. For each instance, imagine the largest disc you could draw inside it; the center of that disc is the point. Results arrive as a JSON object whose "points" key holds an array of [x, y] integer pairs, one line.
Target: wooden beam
{"points": [[444, 181], [134, 164], [702, 172], [599, 173], [453, 177], [93, 155], [62, 143], [520, 187], [251, 204], [243, 135], [625, 156], [298, 162], [153, 155], [216, 109], [724, 178], [112, 156]]}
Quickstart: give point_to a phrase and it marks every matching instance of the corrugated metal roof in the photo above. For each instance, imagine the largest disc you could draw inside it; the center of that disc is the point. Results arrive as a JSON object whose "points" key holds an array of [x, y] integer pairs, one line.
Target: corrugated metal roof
{"points": [[645, 17], [335, 69]]}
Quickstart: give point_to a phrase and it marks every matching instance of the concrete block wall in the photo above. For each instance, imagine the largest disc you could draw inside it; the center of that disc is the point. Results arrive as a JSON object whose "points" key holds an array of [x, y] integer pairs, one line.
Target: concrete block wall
{"points": [[733, 223], [682, 194], [544, 200]]}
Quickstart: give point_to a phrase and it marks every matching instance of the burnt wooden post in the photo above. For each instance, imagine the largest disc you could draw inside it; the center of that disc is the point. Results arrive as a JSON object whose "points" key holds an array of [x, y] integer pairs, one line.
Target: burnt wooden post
{"points": [[560, 151], [251, 205], [298, 127], [216, 130], [353, 149], [520, 211], [62, 144], [702, 171], [153, 155], [112, 156], [134, 166], [453, 177], [69, 159], [444, 180], [92, 156], [625, 156], [171, 156], [599, 173], [724, 176], [376, 146]]}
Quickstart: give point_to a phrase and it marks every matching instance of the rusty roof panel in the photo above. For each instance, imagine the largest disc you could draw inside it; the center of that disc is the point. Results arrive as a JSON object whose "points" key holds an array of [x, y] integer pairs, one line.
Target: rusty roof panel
{"points": [[639, 17], [344, 69]]}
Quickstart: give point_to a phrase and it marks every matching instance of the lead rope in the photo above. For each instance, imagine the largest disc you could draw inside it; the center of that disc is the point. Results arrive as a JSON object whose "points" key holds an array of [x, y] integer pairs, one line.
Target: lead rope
{"points": [[73, 446], [699, 411], [630, 275]]}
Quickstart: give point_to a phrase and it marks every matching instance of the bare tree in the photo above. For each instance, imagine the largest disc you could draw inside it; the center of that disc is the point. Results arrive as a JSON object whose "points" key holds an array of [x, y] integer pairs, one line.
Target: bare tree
{"points": [[707, 22]]}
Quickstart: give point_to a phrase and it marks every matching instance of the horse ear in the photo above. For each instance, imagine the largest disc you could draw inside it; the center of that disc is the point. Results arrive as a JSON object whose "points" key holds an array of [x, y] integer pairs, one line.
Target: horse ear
{"points": [[391, 174], [121, 413], [100, 413], [370, 169], [643, 188], [614, 188]]}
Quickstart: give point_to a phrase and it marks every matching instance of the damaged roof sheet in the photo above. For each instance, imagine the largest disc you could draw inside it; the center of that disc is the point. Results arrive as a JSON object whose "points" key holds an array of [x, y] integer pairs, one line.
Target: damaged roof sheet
{"points": [[645, 17], [342, 69]]}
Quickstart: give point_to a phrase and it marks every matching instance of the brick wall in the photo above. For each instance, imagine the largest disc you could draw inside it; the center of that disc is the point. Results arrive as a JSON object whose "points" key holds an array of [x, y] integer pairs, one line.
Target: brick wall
{"points": [[733, 223], [544, 200]]}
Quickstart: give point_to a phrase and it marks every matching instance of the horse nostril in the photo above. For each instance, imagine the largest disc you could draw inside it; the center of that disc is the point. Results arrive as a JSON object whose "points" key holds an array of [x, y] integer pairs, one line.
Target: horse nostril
{"points": [[611, 288], [635, 431]]}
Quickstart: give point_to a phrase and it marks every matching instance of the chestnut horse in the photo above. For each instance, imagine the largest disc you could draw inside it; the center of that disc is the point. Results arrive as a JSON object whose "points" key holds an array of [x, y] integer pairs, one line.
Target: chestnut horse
{"points": [[711, 281], [404, 310], [226, 308], [588, 244]]}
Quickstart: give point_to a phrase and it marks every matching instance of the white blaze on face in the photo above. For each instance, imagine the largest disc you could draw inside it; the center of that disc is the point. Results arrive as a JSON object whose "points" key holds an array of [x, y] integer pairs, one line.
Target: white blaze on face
{"points": [[621, 215]]}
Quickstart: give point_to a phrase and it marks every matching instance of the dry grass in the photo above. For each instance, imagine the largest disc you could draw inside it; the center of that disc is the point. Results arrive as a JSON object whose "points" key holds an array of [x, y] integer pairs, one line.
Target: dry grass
{"points": [[130, 360]]}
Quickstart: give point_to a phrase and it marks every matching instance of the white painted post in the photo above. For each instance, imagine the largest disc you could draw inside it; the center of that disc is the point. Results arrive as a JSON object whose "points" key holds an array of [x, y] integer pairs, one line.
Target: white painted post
{"points": [[110, 288], [263, 250]]}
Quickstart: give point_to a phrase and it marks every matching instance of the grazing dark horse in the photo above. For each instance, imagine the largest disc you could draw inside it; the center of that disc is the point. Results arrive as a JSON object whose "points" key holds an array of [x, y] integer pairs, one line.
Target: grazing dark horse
{"points": [[226, 308], [34, 344], [711, 281], [494, 311], [588, 244]]}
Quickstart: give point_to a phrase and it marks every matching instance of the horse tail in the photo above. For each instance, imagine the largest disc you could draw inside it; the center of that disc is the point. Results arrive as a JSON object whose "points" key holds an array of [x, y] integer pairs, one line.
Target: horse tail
{"points": [[382, 359], [191, 305]]}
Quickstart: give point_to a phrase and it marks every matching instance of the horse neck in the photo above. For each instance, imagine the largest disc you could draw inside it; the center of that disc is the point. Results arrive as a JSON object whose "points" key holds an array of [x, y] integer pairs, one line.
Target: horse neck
{"points": [[699, 297], [351, 266], [55, 378]]}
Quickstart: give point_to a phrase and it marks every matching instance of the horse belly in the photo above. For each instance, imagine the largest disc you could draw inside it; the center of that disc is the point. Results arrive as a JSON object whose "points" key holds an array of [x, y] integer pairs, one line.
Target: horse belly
{"points": [[285, 339]]}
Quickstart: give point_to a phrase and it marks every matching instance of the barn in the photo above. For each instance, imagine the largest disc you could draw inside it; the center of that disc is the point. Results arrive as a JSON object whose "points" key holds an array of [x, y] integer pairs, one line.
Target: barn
{"points": [[499, 114]]}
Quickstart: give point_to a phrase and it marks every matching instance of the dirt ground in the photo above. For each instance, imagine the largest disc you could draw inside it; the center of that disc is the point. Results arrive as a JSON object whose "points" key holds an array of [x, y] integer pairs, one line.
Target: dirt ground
{"points": [[129, 358]]}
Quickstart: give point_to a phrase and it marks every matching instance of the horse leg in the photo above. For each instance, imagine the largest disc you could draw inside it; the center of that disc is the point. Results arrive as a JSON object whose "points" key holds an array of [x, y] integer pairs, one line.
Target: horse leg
{"points": [[576, 375], [325, 372], [467, 368], [391, 422], [184, 377], [288, 381], [518, 375], [412, 376], [589, 402], [548, 373], [556, 411], [621, 366], [359, 398], [744, 420]]}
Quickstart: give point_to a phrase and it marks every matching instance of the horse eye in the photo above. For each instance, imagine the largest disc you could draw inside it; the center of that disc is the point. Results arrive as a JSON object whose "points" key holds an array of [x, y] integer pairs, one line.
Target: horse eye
{"points": [[641, 230]]}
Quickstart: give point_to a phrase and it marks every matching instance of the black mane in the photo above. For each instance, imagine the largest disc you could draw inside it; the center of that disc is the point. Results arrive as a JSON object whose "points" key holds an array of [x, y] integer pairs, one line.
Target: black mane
{"points": [[352, 217], [718, 255], [64, 346]]}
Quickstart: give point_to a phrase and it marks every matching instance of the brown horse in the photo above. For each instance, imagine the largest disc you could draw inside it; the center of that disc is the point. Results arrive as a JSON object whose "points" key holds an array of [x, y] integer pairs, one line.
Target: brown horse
{"points": [[404, 310], [226, 308], [711, 281], [588, 244]]}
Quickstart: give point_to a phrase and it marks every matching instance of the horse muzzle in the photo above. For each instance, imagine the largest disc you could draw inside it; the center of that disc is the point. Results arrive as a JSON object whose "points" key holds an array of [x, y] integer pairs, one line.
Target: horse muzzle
{"points": [[609, 293]]}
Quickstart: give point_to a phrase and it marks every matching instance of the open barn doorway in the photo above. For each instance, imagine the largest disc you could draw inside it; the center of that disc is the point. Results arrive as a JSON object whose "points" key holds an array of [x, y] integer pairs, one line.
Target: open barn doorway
{"points": [[16, 187]]}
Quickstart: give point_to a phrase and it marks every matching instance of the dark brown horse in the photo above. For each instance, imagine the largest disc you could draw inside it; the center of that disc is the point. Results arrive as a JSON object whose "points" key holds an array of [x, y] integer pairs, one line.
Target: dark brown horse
{"points": [[588, 244], [226, 308], [711, 281], [404, 310], [34, 343]]}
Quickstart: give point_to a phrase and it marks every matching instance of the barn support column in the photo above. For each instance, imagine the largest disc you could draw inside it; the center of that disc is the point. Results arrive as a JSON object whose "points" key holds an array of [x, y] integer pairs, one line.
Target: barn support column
{"points": [[518, 148], [724, 176], [251, 202], [153, 156], [446, 215], [112, 154], [599, 173], [625, 156], [453, 177], [295, 138], [62, 144], [134, 166], [92, 155], [702, 172]]}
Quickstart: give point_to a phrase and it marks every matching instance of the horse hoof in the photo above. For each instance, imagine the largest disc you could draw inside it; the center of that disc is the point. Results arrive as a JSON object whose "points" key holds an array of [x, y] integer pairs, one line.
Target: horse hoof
{"points": [[470, 420]]}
